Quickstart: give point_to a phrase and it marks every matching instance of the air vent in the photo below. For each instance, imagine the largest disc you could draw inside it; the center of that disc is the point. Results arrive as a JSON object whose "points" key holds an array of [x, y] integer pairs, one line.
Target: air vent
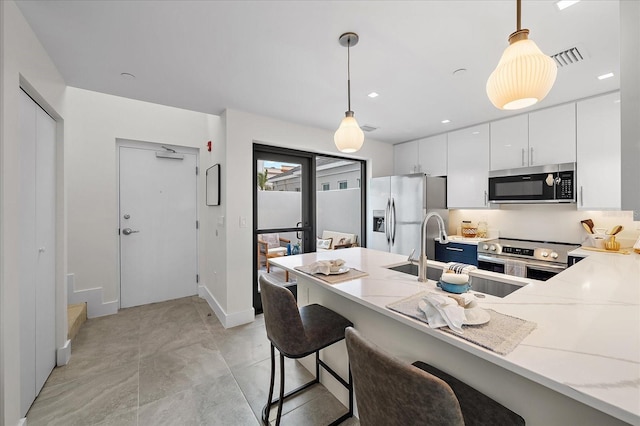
{"points": [[568, 57], [367, 128]]}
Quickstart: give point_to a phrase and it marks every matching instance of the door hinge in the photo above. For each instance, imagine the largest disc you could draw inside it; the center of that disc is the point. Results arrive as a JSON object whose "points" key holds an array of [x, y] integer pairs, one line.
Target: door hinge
{"points": [[197, 224], [197, 278], [196, 170]]}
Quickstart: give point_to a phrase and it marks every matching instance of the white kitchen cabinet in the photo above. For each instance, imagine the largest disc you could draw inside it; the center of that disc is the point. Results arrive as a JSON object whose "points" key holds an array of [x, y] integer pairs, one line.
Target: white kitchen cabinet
{"points": [[405, 158], [510, 143], [468, 167], [432, 155], [598, 153], [552, 135]]}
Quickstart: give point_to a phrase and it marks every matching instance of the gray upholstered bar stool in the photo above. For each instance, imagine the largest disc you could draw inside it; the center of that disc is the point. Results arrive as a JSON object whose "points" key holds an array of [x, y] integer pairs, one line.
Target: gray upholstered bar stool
{"points": [[297, 333], [390, 392]]}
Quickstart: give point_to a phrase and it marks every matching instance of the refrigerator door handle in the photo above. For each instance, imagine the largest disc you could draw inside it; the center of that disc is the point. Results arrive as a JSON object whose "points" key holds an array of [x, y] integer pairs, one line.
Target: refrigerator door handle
{"points": [[393, 229], [387, 221]]}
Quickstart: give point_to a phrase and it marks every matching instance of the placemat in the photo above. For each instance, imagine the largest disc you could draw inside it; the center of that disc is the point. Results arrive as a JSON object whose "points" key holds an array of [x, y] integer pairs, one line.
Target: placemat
{"points": [[501, 334], [334, 279]]}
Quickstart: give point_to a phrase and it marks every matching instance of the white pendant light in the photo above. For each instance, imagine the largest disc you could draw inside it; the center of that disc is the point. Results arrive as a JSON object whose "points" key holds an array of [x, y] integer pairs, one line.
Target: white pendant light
{"points": [[349, 137], [524, 74]]}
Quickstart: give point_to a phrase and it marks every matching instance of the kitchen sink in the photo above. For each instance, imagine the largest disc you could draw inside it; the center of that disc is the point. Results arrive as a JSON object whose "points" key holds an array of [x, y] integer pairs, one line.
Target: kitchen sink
{"points": [[412, 269], [479, 284]]}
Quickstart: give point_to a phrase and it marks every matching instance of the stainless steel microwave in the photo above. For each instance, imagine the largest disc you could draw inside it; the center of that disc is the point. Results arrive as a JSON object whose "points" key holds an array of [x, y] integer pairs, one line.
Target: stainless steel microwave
{"points": [[542, 184]]}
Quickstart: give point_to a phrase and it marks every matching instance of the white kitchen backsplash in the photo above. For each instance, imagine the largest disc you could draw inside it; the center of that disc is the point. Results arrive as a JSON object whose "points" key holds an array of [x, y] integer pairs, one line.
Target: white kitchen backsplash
{"points": [[553, 222]]}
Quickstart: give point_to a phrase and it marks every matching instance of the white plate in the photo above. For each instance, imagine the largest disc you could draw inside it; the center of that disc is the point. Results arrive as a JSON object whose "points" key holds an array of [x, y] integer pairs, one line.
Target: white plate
{"points": [[339, 271], [476, 316]]}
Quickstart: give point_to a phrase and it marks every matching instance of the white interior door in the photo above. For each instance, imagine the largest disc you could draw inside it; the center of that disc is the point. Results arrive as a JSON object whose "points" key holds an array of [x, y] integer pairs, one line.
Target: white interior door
{"points": [[158, 237], [37, 249]]}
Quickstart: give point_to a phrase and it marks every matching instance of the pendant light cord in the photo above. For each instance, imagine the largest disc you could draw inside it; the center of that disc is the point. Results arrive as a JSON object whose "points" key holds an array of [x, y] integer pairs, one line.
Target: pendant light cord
{"points": [[349, 73], [518, 15]]}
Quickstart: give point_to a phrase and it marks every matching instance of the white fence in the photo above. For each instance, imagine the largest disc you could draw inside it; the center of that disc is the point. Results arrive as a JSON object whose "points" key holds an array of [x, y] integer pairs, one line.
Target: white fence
{"points": [[337, 210]]}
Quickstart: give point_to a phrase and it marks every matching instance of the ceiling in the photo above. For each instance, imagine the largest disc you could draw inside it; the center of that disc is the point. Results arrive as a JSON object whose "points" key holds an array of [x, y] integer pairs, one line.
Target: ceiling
{"points": [[282, 59]]}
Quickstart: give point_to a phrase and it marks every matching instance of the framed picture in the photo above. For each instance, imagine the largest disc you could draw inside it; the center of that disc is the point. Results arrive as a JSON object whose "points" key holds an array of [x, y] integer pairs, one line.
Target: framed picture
{"points": [[213, 185]]}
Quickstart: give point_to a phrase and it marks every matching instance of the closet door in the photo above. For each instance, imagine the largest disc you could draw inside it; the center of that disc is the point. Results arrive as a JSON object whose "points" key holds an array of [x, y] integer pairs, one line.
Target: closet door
{"points": [[45, 300], [37, 252]]}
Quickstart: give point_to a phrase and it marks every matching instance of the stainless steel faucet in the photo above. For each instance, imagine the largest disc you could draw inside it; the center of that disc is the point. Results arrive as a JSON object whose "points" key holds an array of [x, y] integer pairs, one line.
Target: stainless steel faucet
{"points": [[444, 239]]}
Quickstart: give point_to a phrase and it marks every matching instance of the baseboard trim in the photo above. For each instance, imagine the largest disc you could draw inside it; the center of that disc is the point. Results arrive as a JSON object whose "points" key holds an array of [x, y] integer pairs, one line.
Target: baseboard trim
{"points": [[92, 297], [63, 354], [227, 320]]}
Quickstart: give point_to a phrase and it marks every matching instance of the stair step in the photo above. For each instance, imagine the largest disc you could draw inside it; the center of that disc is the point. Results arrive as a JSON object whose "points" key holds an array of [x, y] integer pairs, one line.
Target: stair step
{"points": [[76, 315]]}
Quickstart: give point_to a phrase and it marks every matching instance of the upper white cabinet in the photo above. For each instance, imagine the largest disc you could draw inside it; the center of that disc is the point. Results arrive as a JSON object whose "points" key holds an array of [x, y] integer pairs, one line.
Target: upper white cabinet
{"points": [[598, 152], [432, 155], [510, 143], [405, 158], [428, 155], [468, 167], [552, 135]]}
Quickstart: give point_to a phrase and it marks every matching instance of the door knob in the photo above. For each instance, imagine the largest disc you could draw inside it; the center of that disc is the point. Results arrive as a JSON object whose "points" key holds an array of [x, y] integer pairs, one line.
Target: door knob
{"points": [[128, 231]]}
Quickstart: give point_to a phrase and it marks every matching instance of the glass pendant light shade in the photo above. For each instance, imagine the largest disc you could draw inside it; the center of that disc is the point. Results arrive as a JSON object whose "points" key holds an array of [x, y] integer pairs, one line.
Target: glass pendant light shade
{"points": [[349, 137], [523, 76]]}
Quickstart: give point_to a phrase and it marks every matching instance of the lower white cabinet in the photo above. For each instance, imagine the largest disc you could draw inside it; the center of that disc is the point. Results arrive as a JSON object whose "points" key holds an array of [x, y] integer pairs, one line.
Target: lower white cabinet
{"points": [[468, 167], [598, 153]]}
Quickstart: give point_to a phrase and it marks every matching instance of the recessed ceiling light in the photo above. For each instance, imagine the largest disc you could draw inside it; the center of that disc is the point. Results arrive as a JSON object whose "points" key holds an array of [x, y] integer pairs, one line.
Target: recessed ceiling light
{"points": [[373, 95], [445, 121], [563, 4], [127, 76], [459, 72], [607, 75], [475, 133]]}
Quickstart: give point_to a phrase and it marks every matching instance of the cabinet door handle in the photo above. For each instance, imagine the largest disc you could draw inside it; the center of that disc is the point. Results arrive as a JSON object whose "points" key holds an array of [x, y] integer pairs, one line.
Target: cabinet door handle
{"points": [[485, 197], [523, 157], [531, 157], [581, 197], [454, 249]]}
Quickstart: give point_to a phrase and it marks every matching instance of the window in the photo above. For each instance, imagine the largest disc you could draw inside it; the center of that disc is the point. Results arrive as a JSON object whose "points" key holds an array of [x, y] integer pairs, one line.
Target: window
{"points": [[342, 184], [326, 187]]}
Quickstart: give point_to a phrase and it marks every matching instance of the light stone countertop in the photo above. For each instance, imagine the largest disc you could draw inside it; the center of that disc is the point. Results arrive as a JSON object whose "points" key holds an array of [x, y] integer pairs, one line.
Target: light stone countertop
{"points": [[587, 341]]}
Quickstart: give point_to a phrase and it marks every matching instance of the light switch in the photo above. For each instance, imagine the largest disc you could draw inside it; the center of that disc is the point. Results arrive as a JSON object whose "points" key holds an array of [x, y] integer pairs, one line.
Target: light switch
{"points": [[243, 222], [220, 220]]}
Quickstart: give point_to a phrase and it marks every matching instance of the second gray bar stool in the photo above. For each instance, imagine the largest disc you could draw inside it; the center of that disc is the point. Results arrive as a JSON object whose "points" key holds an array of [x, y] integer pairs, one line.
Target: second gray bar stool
{"points": [[297, 333]]}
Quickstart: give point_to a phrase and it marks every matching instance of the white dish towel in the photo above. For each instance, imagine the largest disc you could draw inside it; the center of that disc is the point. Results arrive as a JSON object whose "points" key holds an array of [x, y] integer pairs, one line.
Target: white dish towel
{"points": [[442, 310], [460, 268], [325, 266], [517, 268]]}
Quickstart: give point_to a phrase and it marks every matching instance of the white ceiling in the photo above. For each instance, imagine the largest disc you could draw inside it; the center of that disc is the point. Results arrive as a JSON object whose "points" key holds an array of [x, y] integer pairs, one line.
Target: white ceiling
{"points": [[282, 58]]}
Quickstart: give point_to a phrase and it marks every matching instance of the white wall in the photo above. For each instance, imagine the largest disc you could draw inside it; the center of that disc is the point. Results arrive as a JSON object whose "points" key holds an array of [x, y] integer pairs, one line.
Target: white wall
{"points": [[339, 211], [24, 61], [94, 122], [243, 129]]}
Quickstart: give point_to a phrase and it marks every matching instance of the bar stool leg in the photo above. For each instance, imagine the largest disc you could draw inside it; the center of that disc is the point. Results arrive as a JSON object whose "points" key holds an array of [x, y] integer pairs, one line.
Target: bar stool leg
{"points": [[267, 408], [281, 399]]}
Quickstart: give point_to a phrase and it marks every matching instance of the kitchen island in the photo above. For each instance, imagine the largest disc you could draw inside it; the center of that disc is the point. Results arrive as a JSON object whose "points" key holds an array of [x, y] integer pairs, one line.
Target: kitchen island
{"points": [[581, 365]]}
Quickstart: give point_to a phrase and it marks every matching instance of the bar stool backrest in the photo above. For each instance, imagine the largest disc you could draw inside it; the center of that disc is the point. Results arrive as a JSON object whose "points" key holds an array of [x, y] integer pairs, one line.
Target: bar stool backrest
{"points": [[390, 392], [281, 317]]}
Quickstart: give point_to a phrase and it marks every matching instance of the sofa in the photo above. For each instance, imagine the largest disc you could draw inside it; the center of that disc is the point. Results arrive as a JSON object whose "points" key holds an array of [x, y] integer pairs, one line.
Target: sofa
{"points": [[332, 240]]}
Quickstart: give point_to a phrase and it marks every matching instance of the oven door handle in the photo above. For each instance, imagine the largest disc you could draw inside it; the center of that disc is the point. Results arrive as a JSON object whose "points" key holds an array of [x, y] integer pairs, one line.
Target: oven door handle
{"points": [[544, 267], [490, 259]]}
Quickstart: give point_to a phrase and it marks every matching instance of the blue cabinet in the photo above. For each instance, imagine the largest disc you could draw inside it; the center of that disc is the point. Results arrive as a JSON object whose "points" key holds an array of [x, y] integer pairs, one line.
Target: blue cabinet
{"points": [[457, 252]]}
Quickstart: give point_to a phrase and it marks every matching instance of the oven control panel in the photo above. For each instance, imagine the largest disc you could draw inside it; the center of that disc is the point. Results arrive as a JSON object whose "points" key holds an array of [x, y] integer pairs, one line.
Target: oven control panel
{"points": [[518, 251]]}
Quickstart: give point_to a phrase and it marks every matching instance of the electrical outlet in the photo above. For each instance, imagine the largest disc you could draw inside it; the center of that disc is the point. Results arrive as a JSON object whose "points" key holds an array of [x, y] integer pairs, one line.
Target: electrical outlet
{"points": [[243, 221]]}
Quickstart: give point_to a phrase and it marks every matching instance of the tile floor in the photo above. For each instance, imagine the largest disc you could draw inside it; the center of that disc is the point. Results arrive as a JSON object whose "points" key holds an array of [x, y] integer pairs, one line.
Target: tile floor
{"points": [[173, 363]]}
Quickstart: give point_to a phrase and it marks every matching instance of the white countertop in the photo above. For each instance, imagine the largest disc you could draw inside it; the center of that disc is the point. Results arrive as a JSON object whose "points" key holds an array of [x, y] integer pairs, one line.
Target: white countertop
{"points": [[587, 341]]}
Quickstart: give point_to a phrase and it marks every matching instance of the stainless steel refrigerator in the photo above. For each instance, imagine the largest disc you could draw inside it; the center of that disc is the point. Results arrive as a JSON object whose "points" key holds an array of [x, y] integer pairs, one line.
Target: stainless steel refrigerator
{"points": [[397, 206]]}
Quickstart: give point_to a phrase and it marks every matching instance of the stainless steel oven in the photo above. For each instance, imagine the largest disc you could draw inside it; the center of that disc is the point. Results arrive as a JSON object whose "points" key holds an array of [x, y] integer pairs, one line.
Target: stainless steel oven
{"points": [[537, 260]]}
